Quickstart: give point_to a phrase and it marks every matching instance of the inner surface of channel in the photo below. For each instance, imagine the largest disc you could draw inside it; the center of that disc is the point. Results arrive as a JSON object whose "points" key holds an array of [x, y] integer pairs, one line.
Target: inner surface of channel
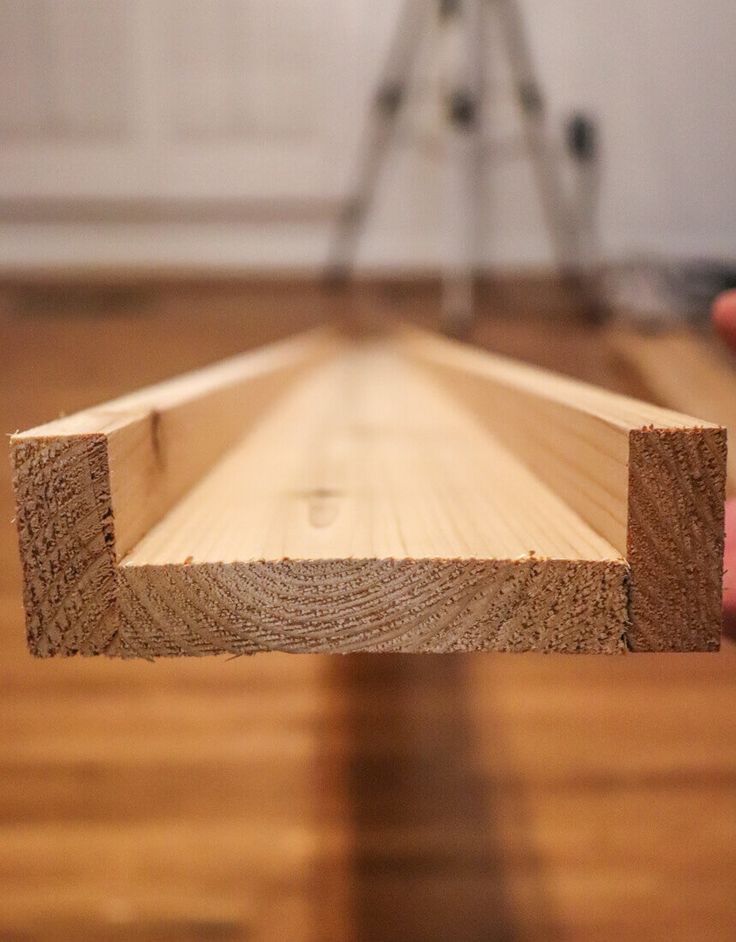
{"points": [[367, 458]]}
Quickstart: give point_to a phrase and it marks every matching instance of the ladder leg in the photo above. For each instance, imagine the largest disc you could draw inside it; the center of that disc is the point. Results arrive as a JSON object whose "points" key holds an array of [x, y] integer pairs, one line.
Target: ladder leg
{"points": [[377, 139], [557, 210], [582, 145], [461, 67]]}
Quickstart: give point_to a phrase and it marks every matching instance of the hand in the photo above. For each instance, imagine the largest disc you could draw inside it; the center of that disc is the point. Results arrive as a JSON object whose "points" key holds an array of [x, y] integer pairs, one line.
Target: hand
{"points": [[724, 320], [724, 317]]}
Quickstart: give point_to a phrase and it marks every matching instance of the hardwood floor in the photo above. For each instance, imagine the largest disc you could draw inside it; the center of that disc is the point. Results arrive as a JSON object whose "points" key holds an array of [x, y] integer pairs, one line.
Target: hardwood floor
{"points": [[469, 797]]}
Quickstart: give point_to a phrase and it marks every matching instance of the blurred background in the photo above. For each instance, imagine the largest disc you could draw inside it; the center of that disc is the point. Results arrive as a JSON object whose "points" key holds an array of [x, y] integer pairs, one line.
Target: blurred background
{"points": [[222, 136], [174, 176]]}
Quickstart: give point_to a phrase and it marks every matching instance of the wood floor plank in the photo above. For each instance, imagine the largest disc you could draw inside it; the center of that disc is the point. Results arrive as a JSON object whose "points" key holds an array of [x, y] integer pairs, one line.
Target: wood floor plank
{"points": [[465, 797]]}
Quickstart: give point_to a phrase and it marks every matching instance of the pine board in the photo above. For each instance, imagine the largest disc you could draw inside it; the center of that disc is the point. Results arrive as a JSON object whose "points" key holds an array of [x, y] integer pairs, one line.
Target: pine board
{"points": [[394, 494]]}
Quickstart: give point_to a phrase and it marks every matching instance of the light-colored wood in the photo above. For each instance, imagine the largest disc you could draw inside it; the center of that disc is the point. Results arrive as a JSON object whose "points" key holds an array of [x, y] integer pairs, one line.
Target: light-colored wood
{"points": [[370, 509]]}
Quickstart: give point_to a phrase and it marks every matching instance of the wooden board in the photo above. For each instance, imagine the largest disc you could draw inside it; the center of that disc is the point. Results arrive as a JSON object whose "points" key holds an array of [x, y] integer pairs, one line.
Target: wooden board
{"points": [[394, 494]]}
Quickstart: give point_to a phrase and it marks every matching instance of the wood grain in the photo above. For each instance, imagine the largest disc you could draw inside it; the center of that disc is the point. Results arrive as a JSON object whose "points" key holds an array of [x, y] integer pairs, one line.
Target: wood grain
{"points": [[369, 509]]}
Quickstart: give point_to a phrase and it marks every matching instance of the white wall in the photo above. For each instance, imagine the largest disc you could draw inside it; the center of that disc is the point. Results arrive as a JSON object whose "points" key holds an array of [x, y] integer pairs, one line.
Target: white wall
{"points": [[103, 98]]}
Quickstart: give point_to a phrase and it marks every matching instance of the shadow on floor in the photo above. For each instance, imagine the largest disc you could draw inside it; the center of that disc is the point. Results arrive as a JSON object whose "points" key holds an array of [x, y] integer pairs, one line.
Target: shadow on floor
{"points": [[428, 858]]}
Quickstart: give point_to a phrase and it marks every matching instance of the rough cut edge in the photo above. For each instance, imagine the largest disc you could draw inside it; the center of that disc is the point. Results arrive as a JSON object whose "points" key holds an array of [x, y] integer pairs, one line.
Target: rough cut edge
{"points": [[67, 543], [675, 538], [388, 605]]}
